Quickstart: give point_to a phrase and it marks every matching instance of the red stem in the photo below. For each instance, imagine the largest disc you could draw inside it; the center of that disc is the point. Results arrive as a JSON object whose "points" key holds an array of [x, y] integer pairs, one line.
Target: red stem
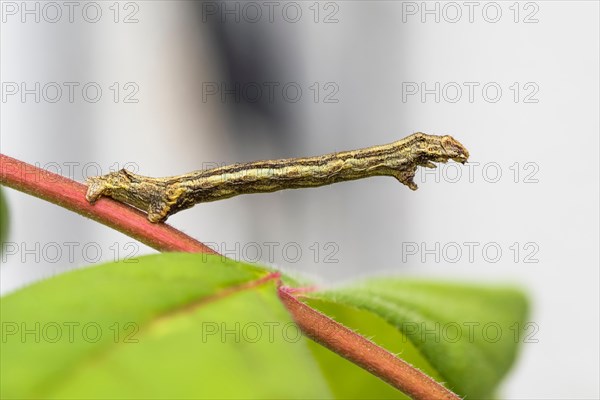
{"points": [[71, 195], [363, 352], [322, 329]]}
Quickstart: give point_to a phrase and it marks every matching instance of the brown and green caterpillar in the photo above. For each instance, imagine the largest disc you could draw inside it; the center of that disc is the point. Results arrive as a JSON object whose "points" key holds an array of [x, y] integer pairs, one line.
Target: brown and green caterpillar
{"points": [[162, 197]]}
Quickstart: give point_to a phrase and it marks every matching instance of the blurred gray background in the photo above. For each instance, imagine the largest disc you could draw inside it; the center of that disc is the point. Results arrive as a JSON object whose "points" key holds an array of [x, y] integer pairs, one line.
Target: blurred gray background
{"points": [[190, 85]]}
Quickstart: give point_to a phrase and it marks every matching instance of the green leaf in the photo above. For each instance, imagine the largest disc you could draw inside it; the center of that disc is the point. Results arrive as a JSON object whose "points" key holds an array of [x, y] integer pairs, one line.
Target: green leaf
{"points": [[4, 221], [468, 334], [168, 326]]}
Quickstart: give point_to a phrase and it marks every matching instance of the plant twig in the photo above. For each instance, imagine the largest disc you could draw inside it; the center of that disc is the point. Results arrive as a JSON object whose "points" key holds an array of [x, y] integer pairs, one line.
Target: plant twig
{"points": [[71, 195], [132, 222], [363, 352]]}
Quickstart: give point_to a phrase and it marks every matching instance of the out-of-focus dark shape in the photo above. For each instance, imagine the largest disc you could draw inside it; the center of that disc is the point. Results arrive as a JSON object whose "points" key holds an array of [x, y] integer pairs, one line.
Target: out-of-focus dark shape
{"points": [[255, 60]]}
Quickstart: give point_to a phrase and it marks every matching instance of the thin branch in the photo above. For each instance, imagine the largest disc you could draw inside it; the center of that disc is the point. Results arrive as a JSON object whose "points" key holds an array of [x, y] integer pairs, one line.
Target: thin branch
{"points": [[71, 195], [132, 222], [363, 352]]}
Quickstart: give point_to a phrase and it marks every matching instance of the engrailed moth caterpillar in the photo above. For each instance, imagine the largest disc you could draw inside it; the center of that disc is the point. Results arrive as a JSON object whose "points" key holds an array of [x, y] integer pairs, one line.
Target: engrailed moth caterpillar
{"points": [[162, 197]]}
